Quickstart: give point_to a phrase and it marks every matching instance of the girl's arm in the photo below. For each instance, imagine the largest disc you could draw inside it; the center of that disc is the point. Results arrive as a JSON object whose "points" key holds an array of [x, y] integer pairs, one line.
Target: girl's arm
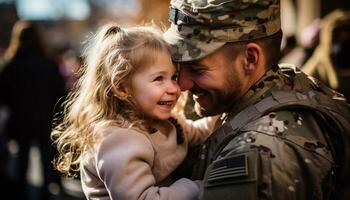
{"points": [[196, 131], [124, 162]]}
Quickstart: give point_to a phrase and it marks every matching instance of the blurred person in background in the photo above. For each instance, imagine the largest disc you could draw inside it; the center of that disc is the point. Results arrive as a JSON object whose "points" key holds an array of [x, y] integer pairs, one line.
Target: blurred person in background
{"points": [[69, 62], [330, 62], [30, 85]]}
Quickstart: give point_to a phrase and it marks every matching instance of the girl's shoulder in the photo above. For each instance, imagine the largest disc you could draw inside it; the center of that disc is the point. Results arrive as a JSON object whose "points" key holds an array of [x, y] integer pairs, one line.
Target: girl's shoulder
{"points": [[115, 132], [125, 139]]}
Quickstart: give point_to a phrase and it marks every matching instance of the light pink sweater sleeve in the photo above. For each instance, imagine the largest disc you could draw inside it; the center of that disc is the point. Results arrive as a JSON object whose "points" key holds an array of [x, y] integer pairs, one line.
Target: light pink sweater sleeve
{"points": [[124, 163]]}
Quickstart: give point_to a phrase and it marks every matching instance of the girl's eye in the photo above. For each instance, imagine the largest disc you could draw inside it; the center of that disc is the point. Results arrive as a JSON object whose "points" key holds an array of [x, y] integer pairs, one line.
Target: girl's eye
{"points": [[158, 78], [175, 77]]}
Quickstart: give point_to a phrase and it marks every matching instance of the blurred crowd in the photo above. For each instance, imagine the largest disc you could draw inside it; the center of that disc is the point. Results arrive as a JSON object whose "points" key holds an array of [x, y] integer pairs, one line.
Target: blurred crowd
{"points": [[34, 77], [31, 85]]}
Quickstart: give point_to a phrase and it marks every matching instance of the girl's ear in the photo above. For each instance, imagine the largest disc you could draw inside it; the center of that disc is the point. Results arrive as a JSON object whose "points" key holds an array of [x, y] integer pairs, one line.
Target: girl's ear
{"points": [[253, 53], [121, 95], [122, 92]]}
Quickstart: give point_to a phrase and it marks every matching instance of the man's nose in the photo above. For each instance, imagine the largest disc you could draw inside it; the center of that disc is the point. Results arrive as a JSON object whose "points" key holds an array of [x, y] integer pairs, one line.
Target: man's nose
{"points": [[185, 79]]}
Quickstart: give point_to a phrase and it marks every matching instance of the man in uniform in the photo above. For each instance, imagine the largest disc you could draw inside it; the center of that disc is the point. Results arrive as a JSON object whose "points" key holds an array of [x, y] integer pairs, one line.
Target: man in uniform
{"points": [[282, 134]]}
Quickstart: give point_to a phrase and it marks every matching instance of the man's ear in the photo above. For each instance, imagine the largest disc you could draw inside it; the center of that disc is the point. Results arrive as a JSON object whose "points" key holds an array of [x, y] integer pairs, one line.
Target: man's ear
{"points": [[252, 57]]}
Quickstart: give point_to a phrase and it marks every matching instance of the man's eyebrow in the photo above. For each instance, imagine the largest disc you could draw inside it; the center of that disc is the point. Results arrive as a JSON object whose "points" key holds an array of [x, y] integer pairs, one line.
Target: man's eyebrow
{"points": [[193, 64]]}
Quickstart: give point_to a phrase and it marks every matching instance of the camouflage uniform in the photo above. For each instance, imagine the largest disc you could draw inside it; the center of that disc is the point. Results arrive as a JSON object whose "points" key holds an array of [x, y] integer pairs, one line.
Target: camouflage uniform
{"points": [[283, 154]]}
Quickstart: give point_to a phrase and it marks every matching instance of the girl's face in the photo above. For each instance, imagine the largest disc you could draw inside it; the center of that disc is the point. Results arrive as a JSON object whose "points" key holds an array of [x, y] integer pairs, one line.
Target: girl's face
{"points": [[155, 88]]}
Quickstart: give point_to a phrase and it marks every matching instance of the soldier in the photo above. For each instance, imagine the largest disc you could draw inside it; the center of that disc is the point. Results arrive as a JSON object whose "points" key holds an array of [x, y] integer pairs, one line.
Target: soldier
{"points": [[283, 135]]}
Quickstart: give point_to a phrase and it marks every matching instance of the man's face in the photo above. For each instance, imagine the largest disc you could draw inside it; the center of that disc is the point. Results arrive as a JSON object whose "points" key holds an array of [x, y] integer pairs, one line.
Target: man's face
{"points": [[214, 81]]}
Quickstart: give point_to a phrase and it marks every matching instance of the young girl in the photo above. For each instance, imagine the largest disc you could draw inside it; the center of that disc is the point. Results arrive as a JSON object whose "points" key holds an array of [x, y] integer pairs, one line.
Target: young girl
{"points": [[117, 129]]}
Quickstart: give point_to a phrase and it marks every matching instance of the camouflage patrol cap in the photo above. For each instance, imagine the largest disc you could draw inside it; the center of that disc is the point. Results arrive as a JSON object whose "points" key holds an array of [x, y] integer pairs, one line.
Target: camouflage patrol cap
{"points": [[199, 27]]}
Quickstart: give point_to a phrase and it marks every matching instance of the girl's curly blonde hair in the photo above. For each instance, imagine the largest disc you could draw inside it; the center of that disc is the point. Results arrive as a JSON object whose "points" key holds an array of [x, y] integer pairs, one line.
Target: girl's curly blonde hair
{"points": [[100, 97]]}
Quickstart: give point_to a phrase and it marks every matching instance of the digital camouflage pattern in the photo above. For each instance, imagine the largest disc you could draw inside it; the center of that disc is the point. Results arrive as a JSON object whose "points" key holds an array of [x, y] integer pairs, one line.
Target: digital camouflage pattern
{"points": [[288, 156], [199, 27]]}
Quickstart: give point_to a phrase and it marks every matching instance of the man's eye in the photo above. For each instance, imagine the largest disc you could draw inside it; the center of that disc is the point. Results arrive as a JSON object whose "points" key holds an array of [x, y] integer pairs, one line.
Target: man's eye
{"points": [[158, 78], [195, 69]]}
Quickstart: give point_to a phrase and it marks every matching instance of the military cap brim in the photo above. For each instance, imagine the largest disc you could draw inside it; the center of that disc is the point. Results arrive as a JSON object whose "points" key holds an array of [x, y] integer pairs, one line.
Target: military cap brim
{"points": [[189, 49]]}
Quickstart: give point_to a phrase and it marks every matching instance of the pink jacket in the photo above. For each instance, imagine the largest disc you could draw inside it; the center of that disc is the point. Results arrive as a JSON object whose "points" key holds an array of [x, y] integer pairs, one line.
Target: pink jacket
{"points": [[132, 164]]}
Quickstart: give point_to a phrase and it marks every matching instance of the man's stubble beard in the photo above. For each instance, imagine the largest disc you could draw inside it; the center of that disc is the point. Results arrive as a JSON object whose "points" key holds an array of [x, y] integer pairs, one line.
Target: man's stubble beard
{"points": [[222, 100]]}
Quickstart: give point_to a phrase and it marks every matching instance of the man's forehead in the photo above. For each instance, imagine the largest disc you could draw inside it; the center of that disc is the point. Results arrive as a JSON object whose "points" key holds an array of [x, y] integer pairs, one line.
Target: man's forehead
{"points": [[191, 64]]}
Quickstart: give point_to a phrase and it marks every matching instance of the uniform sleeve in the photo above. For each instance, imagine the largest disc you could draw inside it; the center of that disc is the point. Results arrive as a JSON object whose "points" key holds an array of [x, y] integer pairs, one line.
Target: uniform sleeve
{"points": [[124, 162], [197, 131], [282, 155]]}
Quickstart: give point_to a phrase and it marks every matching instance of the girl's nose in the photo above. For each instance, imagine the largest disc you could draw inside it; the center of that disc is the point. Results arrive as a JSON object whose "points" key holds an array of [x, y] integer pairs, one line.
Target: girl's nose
{"points": [[173, 88]]}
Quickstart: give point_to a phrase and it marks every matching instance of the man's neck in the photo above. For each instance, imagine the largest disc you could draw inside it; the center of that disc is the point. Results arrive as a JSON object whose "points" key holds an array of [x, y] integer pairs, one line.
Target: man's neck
{"points": [[257, 88]]}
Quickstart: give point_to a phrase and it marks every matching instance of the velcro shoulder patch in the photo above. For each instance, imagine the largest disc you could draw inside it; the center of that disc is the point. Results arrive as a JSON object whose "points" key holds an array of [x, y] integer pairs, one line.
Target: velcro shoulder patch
{"points": [[235, 166], [233, 176], [232, 169]]}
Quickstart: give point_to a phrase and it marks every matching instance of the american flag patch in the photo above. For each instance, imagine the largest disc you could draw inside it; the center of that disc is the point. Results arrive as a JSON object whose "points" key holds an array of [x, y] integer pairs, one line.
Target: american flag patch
{"points": [[235, 166]]}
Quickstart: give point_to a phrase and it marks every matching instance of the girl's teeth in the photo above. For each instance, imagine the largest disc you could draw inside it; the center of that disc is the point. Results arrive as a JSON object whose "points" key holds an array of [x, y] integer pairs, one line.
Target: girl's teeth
{"points": [[164, 102]]}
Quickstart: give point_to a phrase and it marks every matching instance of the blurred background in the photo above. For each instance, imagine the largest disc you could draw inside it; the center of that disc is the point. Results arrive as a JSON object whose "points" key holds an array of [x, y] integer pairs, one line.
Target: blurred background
{"points": [[316, 39]]}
